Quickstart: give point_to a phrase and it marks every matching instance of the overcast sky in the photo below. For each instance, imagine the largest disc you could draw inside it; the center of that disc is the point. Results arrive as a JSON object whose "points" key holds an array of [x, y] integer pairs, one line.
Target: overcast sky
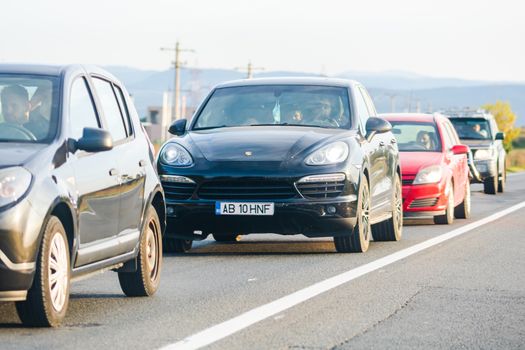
{"points": [[483, 40]]}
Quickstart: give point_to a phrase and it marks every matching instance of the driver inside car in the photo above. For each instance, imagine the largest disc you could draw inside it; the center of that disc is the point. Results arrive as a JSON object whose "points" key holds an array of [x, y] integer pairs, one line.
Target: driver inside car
{"points": [[15, 109]]}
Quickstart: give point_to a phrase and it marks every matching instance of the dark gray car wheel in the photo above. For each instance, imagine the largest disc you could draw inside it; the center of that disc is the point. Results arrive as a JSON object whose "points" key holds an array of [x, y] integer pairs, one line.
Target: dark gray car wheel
{"points": [[145, 281], [48, 298], [359, 239]]}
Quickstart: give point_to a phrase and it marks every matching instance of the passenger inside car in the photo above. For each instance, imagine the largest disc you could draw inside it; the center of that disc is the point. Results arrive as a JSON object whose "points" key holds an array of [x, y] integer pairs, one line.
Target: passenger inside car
{"points": [[40, 112], [424, 140], [16, 112]]}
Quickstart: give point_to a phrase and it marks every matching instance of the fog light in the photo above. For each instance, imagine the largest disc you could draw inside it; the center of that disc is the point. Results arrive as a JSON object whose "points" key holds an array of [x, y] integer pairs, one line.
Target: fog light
{"points": [[330, 209], [170, 210]]}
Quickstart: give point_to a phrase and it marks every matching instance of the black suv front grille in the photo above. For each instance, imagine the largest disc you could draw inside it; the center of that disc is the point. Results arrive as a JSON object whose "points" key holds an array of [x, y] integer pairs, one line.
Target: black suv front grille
{"points": [[178, 190], [321, 189], [246, 190]]}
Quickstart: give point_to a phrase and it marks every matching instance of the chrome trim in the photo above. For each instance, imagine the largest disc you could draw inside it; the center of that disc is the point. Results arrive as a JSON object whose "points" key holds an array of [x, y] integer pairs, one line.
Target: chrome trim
{"points": [[176, 178], [25, 267], [322, 178]]}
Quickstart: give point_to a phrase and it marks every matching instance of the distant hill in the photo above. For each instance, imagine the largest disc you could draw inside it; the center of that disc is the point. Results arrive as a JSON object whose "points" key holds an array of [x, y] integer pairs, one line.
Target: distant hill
{"points": [[147, 87]]}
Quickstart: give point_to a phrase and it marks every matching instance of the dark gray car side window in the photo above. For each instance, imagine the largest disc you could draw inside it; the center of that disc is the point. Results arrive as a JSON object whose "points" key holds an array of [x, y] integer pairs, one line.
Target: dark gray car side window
{"points": [[111, 109], [81, 109], [124, 109]]}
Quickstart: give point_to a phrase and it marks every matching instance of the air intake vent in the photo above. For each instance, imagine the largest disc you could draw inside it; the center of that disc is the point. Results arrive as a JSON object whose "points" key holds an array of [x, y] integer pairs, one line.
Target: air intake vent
{"points": [[321, 189], [179, 191], [246, 190], [422, 203]]}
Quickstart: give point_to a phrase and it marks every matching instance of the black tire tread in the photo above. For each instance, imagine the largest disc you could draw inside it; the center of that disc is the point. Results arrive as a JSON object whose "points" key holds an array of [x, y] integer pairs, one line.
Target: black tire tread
{"points": [[137, 284], [35, 311]]}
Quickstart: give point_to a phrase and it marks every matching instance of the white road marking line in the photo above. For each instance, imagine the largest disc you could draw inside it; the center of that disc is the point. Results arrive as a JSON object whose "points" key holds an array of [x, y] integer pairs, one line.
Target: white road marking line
{"points": [[231, 326]]}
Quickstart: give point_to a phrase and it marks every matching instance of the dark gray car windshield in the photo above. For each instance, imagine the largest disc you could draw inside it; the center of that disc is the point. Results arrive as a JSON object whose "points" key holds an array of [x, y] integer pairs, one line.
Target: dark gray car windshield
{"points": [[303, 105], [28, 108], [472, 128]]}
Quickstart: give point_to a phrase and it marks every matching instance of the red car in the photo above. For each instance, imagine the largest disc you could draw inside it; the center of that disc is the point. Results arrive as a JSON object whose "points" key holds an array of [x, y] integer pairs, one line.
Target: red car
{"points": [[434, 167]]}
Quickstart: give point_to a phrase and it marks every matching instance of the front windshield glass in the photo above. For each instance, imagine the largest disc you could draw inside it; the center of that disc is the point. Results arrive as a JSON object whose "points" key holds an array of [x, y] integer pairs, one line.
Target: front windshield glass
{"points": [[416, 137], [303, 105], [28, 108], [472, 128]]}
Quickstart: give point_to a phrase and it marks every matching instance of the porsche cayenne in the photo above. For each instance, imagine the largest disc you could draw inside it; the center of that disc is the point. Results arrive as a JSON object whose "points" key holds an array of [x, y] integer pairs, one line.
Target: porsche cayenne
{"points": [[288, 156]]}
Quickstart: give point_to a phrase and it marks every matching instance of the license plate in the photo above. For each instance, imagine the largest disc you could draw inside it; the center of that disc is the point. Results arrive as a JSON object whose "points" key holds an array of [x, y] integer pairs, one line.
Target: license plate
{"points": [[239, 208]]}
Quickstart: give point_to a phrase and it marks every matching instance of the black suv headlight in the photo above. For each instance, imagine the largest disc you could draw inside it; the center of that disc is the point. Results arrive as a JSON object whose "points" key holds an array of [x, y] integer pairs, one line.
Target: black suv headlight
{"points": [[176, 155]]}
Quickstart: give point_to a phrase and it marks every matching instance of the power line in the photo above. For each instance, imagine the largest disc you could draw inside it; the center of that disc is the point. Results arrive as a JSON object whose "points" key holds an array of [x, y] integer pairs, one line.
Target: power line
{"points": [[176, 88]]}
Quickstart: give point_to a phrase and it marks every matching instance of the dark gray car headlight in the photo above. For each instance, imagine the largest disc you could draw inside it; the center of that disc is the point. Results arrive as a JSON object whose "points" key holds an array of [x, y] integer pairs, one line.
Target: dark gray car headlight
{"points": [[176, 155], [332, 153], [14, 183]]}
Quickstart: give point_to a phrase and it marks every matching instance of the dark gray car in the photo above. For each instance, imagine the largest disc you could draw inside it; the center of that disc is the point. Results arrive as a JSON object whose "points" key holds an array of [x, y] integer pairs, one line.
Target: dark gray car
{"points": [[479, 131], [78, 190]]}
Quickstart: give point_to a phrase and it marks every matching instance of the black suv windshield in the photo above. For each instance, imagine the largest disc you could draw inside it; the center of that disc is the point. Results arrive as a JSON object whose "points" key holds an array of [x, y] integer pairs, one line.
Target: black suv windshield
{"points": [[28, 108], [472, 128], [303, 105]]}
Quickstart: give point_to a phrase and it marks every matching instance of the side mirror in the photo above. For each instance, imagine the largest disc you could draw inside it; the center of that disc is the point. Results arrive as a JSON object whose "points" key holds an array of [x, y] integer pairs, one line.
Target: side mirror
{"points": [[178, 127], [500, 136], [377, 125], [95, 140], [460, 149]]}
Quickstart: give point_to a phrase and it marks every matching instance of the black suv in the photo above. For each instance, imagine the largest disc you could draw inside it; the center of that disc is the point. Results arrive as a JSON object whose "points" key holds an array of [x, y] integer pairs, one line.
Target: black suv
{"points": [[285, 155], [78, 191], [478, 130]]}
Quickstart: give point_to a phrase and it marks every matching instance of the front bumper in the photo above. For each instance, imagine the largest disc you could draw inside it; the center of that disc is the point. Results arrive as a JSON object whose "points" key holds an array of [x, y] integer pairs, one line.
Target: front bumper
{"points": [[426, 200], [20, 228], [312, 219], [486, 169]]}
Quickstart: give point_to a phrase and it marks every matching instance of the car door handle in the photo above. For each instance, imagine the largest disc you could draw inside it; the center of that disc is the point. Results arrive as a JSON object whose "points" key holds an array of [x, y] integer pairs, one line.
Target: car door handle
{"points": [[113, 172], [393, 141], [142, 163], [381, 144]]}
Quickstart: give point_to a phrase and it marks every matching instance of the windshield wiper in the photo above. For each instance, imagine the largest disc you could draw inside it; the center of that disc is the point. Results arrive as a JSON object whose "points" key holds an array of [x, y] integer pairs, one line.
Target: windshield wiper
{"points": [[289, 124], [210, 127]]}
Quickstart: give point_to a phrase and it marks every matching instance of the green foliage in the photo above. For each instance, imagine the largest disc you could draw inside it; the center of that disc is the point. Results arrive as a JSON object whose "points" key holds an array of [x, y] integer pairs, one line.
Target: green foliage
{"points": [[505, 118]]}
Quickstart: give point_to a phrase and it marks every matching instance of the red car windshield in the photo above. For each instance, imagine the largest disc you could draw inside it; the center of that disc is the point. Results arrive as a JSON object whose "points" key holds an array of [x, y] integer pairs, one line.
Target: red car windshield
{"points": [[416, 136]]}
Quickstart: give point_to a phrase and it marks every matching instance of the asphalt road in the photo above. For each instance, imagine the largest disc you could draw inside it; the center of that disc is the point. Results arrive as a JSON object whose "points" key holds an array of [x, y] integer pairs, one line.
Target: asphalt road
{"points": [[466, 292]]}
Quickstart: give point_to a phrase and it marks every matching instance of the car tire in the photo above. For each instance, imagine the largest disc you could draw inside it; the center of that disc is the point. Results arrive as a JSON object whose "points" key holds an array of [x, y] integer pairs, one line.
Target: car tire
{"points": [[145, 280], [448, 217], [359, 239], [226, 238], [502, 181], [490, 185], [48, 298], [462, 211], [391, 229], [175, 245]]}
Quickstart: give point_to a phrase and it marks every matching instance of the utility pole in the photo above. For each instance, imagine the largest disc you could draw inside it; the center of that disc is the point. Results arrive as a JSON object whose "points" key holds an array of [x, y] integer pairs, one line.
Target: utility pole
{"points": [[176, 87], [249, 70], [392, 102]]}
